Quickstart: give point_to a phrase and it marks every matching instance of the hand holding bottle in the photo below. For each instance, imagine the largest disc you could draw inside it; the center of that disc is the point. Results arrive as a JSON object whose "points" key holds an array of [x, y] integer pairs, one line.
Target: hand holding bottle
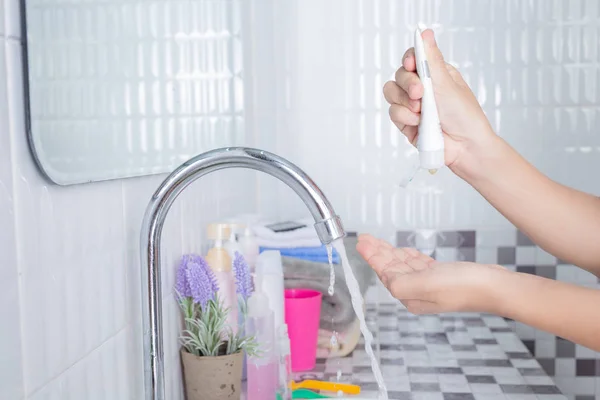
{"points": [[467, 132]]}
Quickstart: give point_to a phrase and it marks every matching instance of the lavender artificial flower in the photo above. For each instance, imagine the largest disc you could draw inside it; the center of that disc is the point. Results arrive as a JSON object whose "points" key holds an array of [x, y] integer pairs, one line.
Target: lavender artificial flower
{"points": [[195, 279], [182, 286], [243, 280]]}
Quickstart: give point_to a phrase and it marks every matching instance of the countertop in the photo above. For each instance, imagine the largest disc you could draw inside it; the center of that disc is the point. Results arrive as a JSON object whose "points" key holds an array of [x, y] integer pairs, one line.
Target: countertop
{"points": [[449, 357]]}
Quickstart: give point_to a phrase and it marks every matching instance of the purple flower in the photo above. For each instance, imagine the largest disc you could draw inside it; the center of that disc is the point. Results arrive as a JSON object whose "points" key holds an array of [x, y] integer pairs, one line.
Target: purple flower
{"points": [[195, 279], [243, 281], [182, 286]]}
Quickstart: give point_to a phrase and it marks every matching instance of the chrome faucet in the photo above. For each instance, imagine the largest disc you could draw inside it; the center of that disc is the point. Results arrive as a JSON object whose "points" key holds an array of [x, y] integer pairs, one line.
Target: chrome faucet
{"points": [[327, 224]]}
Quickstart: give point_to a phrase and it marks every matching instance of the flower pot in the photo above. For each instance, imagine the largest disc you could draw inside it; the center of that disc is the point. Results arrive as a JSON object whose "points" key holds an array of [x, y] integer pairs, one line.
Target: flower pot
{"points": [[212, 378]]}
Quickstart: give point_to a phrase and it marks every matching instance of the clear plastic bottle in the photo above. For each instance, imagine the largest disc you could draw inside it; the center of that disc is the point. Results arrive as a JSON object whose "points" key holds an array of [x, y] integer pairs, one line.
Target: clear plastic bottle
{"points": [[285, 364], [263, 369], [219, 260], [233, 246], [269, 267]]}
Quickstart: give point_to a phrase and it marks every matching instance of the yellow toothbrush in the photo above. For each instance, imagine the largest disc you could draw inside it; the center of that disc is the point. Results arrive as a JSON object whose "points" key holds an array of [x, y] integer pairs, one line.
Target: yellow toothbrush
{"points": [[326, 386]]}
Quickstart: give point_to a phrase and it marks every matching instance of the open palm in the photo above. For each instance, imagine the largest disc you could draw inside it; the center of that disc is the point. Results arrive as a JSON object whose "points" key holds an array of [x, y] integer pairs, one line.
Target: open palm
{"points": [[426, 286]]}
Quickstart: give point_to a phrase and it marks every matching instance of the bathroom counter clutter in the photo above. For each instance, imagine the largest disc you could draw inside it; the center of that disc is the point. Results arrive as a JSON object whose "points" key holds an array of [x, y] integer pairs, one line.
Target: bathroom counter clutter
{"points": [[448, 357]]}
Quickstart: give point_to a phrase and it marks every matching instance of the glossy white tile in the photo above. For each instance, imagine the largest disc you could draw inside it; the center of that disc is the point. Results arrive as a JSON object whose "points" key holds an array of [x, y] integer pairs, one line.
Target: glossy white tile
{"points": [[11, 19], [11, 374]]}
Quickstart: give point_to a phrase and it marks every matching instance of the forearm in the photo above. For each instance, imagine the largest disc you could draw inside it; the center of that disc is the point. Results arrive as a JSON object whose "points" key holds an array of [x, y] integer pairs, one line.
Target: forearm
{"points": [[563, 309], [561, 220]]}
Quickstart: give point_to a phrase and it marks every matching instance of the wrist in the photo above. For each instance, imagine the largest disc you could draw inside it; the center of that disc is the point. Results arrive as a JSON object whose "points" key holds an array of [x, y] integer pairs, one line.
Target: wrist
{"points": [[511, 290], [480, 159], [494, 295]]}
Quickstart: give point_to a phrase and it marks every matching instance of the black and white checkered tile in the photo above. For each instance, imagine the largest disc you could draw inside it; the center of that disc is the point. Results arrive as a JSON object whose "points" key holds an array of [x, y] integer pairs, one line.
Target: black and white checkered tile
{"points": [[456, 357], [574, 368]]}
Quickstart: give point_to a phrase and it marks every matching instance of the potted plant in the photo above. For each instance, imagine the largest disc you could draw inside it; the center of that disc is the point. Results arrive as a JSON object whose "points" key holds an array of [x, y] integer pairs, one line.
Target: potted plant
{"points": [[212, 355]]}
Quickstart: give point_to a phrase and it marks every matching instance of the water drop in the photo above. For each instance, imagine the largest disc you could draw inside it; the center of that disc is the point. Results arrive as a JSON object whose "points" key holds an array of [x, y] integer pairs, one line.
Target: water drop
{"points": [[333, 341]]}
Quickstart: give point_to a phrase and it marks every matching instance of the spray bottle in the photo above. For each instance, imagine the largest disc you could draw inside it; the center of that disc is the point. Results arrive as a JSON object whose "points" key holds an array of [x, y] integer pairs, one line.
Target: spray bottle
{"points": [[285, 363], [263, 368]]}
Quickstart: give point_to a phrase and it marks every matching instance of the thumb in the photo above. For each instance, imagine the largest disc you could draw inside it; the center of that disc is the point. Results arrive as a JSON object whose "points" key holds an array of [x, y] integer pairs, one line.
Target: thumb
{"points": [[435, 58]]}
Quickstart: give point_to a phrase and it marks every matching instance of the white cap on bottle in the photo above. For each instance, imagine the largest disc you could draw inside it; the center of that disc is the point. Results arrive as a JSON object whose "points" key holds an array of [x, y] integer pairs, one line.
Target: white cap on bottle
{"points": [[432, 159]]}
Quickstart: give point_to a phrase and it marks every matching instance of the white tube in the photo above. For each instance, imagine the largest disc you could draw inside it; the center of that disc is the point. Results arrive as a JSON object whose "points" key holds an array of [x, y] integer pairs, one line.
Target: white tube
{"points": [[430, 142]]}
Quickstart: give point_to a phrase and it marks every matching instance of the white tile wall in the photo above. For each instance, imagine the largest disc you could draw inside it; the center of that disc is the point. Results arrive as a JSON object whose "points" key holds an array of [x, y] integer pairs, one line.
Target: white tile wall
{"points": [[69, 267], [11, 371]]}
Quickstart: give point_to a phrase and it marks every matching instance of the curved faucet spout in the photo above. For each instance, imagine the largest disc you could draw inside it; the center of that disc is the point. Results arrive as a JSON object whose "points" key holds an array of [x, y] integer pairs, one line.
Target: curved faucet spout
{"points": [[327, 224]]}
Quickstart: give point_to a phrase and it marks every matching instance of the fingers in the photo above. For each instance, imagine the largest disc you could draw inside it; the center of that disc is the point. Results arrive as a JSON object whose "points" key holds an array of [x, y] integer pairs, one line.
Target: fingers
{"points": [[371, 239], [404, 95], [437, 65], [417, 254], [402, 254], [410, 83], [395, 95], [406, 121], [377, 256], [403, 116], [411, 133], [409, 62], [381, 256]]}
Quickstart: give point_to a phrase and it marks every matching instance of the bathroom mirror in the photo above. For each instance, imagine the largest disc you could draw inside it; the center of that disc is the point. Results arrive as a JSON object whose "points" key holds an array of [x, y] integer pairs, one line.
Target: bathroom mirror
{"points": [[129, 88]]}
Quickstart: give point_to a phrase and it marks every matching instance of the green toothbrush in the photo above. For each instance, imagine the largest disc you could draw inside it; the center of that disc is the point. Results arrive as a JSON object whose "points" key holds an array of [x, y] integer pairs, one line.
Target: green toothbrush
{"points": [[304, 394]]}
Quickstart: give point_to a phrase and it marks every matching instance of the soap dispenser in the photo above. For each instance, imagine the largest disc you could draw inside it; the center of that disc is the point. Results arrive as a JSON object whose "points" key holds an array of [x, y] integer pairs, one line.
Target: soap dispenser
{"points": [[232, 244], [220, 262]]}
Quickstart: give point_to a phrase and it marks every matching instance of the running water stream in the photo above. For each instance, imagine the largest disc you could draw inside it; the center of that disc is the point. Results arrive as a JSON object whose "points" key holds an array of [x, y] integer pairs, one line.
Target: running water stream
{"points": [[333, 341], [331, 289], [357, 305]]}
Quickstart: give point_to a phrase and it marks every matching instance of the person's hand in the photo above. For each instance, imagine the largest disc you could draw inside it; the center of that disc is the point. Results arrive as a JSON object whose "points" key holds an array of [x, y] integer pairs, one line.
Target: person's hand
{"points": [[466, 129], [425, 286]]}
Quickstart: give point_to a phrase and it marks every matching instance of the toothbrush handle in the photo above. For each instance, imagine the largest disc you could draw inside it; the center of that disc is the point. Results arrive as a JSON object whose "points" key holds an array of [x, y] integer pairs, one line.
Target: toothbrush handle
{"points": [[331, 386]]}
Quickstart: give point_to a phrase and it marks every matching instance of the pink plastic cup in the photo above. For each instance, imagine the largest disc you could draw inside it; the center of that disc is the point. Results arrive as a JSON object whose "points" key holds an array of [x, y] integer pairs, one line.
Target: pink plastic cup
{"points": [[302, 316]]}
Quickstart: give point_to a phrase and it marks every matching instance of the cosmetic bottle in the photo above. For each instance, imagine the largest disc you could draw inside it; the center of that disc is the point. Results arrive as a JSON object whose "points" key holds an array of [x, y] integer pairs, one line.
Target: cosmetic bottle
{"points": [[430, 142], [249, 246], [232, 244], [270, 269], [220, 262], [285, 364], [263, 368]]}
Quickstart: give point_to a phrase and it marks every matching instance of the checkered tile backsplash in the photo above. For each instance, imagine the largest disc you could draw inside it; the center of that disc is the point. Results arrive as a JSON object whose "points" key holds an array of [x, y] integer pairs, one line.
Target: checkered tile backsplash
{"points": [[575, 369]]}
